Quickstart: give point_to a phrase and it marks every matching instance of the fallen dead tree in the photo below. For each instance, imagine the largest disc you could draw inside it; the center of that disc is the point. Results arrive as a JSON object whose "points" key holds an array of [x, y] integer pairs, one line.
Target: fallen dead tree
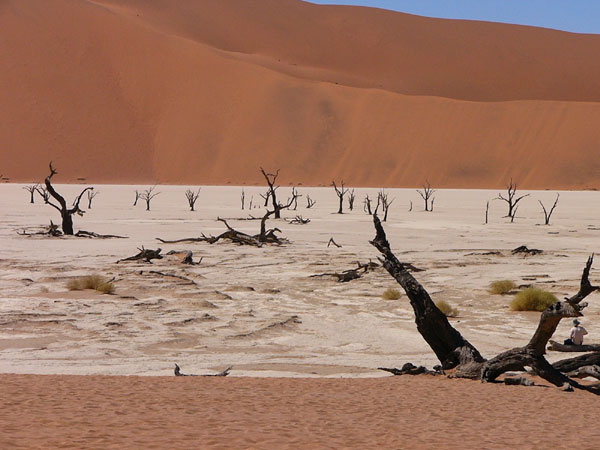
{"points": [[265, 236], [224, 373], [456, 353], [350, 274], [411, 369], [145, 255], [52, 230], [524, 250], [298, 220], [558, 347]]}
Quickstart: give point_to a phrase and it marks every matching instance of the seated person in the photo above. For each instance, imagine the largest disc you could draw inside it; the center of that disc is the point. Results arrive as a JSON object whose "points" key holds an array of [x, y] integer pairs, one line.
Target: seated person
{"points": [[577, 333]]}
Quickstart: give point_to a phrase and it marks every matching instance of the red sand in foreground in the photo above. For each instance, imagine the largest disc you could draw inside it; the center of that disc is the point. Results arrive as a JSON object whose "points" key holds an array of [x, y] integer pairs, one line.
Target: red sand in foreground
{"points": [[396, 412]]}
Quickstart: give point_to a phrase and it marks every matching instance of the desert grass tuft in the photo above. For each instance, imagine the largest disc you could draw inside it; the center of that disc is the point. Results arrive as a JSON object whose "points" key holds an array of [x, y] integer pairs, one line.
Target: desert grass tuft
{"points": [[445, 307], [95, 282], [391, 294], [532, 299], [502, 287]]}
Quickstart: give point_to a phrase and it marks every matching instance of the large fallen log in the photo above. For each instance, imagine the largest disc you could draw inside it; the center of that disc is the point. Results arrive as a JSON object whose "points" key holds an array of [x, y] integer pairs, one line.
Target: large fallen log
{"points": [[558, 347]]}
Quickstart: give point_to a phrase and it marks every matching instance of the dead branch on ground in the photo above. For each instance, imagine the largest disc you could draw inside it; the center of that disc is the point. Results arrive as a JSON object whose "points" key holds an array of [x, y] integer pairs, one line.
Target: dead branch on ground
{"points": [[331, 241], [298, 220], [350, 274], [523, 249], [224, 373], [145, 255]]}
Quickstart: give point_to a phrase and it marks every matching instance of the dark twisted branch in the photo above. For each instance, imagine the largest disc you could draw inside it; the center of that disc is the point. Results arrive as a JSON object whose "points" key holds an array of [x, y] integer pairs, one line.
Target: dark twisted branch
{"points": [[445, 341], [454, 351], [65, 212]]}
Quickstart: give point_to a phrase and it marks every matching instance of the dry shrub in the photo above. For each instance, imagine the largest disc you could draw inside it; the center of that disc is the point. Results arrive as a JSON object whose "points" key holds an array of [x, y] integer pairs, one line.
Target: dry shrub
{"points": [[502, 287], [95, 282], [532, 299], [391, 294], [445, 307]]}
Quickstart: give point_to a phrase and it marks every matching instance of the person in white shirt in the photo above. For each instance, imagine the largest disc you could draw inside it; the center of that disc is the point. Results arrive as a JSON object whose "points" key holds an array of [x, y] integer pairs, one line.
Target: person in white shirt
{"points": [[577, 334]]}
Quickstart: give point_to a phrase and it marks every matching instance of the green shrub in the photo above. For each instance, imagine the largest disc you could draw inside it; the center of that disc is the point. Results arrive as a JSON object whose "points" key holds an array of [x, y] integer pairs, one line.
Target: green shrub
{"points": [[445, 307], [95, 282], [532, 299], [502, 287], [391, 294]]}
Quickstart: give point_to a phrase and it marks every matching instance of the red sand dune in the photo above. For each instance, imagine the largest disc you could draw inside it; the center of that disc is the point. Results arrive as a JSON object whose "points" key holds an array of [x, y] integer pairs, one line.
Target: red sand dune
{"points": [[48, 411], [205, 92]]}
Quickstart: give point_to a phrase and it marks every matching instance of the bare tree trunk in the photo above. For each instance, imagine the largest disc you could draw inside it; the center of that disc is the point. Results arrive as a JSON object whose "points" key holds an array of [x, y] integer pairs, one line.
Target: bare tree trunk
{"points": [[511, 199], [426, 194], [340, 193], [454, 351], [65, 212], [445, 341], [548, 214], [32, 190], [271, 180]]}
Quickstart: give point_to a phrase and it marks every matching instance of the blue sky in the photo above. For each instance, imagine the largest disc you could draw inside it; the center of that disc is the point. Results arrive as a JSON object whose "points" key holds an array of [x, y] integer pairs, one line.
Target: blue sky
{"points": [[580, 16]]}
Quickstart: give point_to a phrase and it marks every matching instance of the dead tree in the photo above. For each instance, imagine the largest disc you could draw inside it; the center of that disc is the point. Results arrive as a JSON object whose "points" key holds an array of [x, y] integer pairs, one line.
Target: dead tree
{"points": [[548, 214], [455, 352], [367, 205], [340, 193], [511, 199], [271, 180], [514, 214], [295, 196], [43, 193], [137, 197], [269, 235], [243, 199], [66, 213], [351, 198], [309, 202], [427, 195], [382, 198], [265, 197], [487, 209], [148, 195], [410, 208], [32, 190], [192, 197], [90, 196], [145, 254]]}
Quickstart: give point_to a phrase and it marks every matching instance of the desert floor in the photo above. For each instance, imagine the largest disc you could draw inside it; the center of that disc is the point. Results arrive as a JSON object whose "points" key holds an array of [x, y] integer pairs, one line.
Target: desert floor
{"points": [[260, 311]]}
